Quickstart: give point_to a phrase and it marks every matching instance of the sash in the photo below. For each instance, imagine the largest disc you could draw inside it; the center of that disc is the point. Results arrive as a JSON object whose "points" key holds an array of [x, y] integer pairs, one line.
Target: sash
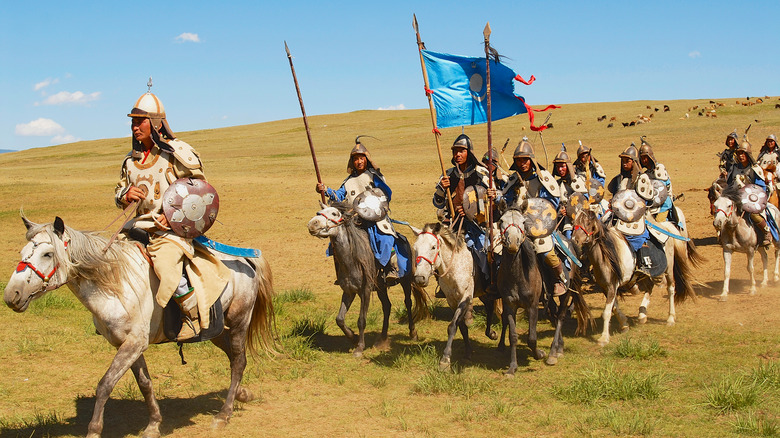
{"points": [[227, 249], [662, 231]]}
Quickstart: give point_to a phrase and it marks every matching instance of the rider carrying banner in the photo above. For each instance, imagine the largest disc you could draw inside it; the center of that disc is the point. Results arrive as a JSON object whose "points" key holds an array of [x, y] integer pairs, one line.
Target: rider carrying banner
{"points": [[365, 176], [158, 159]]}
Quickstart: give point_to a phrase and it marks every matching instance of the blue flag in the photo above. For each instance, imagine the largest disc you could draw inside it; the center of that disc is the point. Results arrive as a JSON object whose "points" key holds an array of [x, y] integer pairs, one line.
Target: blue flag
{"points": [[460, 90]]}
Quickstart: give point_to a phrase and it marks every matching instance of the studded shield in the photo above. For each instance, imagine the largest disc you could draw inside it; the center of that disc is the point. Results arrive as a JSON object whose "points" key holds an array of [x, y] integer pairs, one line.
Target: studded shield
{"points": [[371, 205], [577, 202], [540, 218], [475, 203], [595, 190], [752, 198], [628, 206], [191, 206], [660, 193]]}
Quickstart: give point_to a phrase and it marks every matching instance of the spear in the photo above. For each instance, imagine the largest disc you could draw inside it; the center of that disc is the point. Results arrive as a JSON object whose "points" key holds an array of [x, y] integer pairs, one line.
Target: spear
{"points": [[541, 136], [305, 121], [486, 33], [421, 47]]}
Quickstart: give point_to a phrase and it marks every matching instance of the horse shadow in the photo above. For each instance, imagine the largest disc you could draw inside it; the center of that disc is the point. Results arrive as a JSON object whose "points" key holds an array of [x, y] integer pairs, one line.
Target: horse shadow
{"points": [[706, 241], [123, 417]]}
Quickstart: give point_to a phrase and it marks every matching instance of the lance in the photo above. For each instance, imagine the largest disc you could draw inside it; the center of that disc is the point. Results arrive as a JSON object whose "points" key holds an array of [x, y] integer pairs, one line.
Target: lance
{"points": [[305, 120], [421, 47], [541, 136], [503, 158], [486, 34]]}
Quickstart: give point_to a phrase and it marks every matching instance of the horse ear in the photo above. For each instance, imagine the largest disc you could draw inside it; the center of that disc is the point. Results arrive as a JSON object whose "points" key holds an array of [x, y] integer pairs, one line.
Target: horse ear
{"points": [[415, 230], [323, 206], [27, 223], [59, 226]]}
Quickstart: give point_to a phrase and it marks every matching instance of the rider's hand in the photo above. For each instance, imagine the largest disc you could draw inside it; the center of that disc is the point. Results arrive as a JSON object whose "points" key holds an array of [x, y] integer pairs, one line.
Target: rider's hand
{"points": [[134, 194], [445, 182], [491, 193], [320, 188], [162, 222]]}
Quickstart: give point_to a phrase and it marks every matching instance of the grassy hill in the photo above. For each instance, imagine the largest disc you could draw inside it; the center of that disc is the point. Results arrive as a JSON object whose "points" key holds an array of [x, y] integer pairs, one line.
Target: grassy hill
{"points": [[265, 179]]}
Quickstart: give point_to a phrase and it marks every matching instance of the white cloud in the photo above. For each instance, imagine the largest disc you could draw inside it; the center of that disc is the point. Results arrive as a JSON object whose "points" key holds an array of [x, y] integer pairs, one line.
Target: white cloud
{"points": [[45, 83], [77, 97], [400, 106], [695, 54], [188, 37], [39, 127], [63, 138]]}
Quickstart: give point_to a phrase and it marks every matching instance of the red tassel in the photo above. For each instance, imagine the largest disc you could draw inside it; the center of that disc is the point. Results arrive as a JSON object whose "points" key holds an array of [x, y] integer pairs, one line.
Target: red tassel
{"points": [[428, 91], [531, 115], [437, 132], [528, 82]]}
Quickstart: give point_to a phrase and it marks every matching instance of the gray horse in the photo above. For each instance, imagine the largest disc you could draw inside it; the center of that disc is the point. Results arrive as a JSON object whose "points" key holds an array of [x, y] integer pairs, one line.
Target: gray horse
{"points": [[358, 274]]}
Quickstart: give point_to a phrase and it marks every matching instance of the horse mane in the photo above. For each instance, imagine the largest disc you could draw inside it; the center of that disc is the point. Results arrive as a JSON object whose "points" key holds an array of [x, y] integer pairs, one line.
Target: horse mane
{"points": [[605, 244], [453, 241], [357, 239], [732, 193]]}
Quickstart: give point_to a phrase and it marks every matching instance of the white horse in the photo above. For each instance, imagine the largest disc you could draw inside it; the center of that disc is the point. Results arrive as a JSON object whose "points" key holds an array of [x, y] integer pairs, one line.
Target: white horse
{"points": [[736, 234], [613, 263], [117, 286], [439, 251]]}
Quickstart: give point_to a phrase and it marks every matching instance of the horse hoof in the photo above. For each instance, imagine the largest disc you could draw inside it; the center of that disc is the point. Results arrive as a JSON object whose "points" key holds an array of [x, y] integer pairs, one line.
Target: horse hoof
{"points": [[624, 329], [551, 360], [722, 298], [413, 335], [218, 424], [752, 292], [642, 319], [382, 345], [244, 395], [510, 374], [493, 335], [669, 322], [357, 354], [603, 342], [153, 433], [444, 365]]}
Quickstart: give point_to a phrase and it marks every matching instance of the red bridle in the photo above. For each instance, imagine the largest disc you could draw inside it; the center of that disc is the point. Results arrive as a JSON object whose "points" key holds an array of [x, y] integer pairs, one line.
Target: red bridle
{"points": [[727, 213], [435, 257], [337, 222], [580, 227], [45, 277]]}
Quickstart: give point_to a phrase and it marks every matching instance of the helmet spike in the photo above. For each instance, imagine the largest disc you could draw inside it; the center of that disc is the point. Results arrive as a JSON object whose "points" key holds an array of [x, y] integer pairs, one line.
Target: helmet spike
{"points": [[149, 85]]}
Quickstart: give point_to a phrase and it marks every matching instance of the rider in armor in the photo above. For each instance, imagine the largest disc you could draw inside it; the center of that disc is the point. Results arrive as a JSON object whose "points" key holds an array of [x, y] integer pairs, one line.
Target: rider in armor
{"points": [[727, 156], [746, 171], [569, 183], [158, 159], [467, 173], [769, 147], [656, 171], [587, 166], [531, 180], [364, 175]]}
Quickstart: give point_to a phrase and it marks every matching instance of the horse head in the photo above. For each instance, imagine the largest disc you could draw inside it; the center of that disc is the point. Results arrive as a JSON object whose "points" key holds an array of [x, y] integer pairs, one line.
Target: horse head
{"points": [[585, 224], [725, 211], [325, 223], [512, 226], [427, 252], [39, 270]]}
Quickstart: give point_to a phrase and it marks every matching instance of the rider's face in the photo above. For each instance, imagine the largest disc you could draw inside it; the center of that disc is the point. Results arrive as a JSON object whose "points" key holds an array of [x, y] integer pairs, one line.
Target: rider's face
{"points": [[142, 130], [359, 162], [523, 163], [626, 163], [742, 157], [562, 169], [460, 155], [584, 158], [645, 160]]}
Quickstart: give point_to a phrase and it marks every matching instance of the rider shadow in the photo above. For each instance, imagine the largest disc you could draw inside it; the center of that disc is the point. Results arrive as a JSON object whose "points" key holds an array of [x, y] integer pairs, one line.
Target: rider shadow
{"points": [[483, 355], [713, 289], [706, 241], [123, 417]]}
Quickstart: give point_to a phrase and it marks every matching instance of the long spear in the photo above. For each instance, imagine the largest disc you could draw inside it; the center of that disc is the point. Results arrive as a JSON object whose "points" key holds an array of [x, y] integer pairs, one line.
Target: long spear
{"points": [[486, 33], [421, 47], [305, 121]]}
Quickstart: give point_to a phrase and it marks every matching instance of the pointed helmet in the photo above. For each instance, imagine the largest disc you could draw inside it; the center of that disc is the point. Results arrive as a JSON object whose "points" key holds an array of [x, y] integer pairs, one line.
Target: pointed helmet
{"points": [[150, 107], [359, 149], [645, 150]]}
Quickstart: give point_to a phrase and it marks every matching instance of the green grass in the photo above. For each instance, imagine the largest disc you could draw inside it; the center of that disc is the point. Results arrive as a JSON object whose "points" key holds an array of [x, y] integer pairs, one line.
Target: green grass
{"points": [[639, 350], [456, 383], [755, 425], [606, 383], [733, 392], [767, 375], [309, 326]]}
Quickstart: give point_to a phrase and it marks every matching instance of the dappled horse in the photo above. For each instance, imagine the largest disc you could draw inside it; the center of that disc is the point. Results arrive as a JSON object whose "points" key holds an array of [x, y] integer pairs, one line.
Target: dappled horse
{"points": [[735, 233], [613, 265], [441, 252], [117, 286], [358, 274], [521, 280]]}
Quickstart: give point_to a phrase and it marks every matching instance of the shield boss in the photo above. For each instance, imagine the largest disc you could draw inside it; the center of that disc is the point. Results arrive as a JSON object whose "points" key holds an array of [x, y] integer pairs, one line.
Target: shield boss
{"points": [[191, 207]]}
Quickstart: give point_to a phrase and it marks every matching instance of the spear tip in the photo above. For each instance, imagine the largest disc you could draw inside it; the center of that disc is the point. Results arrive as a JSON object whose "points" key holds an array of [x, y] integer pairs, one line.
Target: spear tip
{"points": [[414, 22], [487, 31], [286, 49]]}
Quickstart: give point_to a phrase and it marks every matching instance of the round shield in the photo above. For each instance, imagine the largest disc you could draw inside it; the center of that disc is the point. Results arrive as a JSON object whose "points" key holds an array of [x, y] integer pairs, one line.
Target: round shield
{"points": [[371, 205], [540, 218], [191, 206], [628, 206], [595, 191], [577, 202], [752, 198], [660, 193], [475, 203]]}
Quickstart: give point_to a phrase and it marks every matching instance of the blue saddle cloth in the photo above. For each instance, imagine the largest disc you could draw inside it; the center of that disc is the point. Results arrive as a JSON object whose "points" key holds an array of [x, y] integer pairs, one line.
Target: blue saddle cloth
{"points": [[227, 249]]}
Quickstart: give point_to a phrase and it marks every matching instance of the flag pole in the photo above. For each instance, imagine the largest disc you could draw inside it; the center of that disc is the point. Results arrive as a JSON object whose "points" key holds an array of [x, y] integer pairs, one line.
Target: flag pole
{"points": [[421, 47], [305, 121], [486, 34]]}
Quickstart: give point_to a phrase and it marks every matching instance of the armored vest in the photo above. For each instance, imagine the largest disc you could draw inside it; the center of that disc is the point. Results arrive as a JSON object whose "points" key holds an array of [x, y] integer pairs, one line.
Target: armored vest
{"points": [[355, 185]]}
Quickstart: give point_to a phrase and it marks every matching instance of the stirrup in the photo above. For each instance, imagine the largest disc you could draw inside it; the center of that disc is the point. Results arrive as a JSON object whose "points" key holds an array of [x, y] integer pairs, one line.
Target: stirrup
{"points": [[189, 329]]}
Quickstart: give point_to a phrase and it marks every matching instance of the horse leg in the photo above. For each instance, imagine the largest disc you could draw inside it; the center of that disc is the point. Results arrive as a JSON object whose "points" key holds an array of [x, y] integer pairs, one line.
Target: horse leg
{"points": [[464, 331], [765, 261], [406, 284], [490, 304], [365, 300], [509, 315], [346, 302], [383, 341], [726, 274], [751, 266], [141, 374], [621, 317], [643, 307], [533, 319], [504, 327], [607, 315], [452, 328], [556, 349], [126, 355], [233, 342], [777, 262]]}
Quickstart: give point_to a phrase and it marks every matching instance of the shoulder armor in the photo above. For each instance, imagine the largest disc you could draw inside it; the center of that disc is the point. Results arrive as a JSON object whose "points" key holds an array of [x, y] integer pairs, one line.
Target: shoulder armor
{"points": [[548, 181], [542, 244], [185, 154], [758, 171], [631, 228], [599, 170], [661, 173], [578, 184], [644, 188]]}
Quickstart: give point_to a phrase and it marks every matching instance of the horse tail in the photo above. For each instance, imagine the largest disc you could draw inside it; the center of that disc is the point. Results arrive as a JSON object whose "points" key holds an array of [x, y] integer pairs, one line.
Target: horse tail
{"points": [[694, 256], [684, 263], [420, 309], [584, 318], [262, 323]]}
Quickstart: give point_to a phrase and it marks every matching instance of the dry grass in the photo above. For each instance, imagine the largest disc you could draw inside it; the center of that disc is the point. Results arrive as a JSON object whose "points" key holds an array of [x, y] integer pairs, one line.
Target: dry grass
{"points": [[52, 358]]}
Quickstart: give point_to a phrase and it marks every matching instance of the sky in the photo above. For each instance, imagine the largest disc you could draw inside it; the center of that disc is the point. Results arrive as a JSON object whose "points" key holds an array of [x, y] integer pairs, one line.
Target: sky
{"points": [[71, 71]]}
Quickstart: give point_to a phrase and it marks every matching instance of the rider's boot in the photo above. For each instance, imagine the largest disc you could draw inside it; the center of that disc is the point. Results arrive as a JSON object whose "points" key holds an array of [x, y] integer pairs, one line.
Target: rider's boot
{"points": [[391, 278], [560, 280], [763, 229], [190, 321]]}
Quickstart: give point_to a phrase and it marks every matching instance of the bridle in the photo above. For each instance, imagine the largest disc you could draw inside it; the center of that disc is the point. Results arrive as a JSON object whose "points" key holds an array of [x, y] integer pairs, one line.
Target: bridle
{"points": [[512, 224], [436, 255], [329, 220], [24, 264]]}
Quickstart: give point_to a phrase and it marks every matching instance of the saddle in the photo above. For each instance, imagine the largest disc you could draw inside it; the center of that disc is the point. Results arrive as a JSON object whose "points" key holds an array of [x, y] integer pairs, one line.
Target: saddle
{"points": [[172, 322], [651, 258]]}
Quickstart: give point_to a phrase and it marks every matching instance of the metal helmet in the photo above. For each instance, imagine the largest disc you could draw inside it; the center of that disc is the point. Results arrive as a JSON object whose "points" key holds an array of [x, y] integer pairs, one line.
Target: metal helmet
{"points": [[191, 206], [149, 106], [770, 137], [631, 152], [563, 157], [752, 198], [733, 135], [493, 154], [628, 206], [583, 149], [359, 149], [744, 146], [463, 141], [645, 150], [524, 149]]}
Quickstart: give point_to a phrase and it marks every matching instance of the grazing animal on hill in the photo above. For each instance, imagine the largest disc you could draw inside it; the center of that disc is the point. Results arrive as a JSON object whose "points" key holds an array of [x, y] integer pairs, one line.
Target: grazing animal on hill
{"points": [[624, 124], [656, 110], [666, 108], [604, 117], [116, 284], [358, 273], [579, 122], [613, 119], [610, 125], [777, 105]]}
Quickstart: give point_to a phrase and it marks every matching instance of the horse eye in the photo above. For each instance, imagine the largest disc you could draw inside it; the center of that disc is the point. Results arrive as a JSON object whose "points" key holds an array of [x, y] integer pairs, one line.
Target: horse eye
{"points": [[48, 255]]}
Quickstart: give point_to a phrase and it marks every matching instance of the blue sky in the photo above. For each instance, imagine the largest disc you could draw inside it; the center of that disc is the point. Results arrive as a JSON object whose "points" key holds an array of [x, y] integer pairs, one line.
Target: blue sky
{"points": [[71, 71]]}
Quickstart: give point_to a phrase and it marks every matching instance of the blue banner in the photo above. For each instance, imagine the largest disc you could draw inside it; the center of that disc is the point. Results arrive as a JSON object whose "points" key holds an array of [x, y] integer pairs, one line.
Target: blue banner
{"points": [[459, 89]]}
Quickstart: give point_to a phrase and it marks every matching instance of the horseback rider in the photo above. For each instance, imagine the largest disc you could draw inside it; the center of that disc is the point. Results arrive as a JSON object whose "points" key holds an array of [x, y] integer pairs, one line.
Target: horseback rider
{"points": [[158, 159], [769, 147], [467, 176], [727, 156], [657, 171], [746, 171], [365, 175], [587, 166], [569, 183], [530, 180]]}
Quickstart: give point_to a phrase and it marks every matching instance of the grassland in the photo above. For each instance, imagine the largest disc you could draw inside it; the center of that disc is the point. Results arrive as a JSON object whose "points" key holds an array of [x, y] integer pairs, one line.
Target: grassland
{"points": [[716, 373]]}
